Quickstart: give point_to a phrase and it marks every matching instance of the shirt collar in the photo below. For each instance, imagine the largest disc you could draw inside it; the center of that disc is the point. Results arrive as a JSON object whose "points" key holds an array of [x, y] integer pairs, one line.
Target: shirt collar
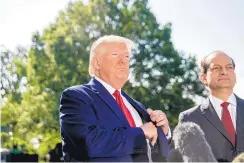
{"points": [[232, 100], [217, 102], [107, 86]]}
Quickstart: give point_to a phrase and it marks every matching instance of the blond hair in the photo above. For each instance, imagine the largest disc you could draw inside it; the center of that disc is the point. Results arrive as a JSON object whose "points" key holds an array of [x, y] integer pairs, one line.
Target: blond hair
{"points": [[107, 39]]}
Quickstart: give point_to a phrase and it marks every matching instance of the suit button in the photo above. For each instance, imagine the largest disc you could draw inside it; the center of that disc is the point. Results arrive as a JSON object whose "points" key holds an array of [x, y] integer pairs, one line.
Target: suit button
{"points": [[151, 146], [233, 151]]}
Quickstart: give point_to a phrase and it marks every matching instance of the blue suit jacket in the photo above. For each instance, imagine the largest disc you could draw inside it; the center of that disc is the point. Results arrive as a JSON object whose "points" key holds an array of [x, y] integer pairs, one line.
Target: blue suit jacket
{"points": [[93, 128]]}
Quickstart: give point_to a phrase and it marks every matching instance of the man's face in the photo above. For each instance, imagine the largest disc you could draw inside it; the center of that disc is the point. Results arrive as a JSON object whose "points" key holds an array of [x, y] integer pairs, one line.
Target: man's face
{"points": [[113, 63], [220, 74]]}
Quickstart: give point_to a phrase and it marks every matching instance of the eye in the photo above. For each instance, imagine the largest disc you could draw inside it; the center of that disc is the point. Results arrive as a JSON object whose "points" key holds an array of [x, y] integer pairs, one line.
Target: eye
{"points": [[216, 68], [114, 54], [230, 67]]}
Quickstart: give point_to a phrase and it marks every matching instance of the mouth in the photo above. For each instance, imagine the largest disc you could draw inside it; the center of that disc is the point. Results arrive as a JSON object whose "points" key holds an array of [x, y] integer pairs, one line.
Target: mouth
{"points": [[224, 79], [121, 68]]}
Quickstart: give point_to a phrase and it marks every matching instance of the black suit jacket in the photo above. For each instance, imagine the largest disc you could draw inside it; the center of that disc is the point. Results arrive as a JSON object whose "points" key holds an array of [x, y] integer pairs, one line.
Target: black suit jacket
{"points": [[206, 117]]}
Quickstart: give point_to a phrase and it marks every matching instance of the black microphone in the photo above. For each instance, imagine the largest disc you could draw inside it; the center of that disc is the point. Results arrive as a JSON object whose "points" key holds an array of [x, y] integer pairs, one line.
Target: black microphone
{"points": [[175, 156], [190, 140]]}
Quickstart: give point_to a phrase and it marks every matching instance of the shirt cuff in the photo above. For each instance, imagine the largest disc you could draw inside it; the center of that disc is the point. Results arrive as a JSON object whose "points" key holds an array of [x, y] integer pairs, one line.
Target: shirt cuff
{"points": [[168, 136]]}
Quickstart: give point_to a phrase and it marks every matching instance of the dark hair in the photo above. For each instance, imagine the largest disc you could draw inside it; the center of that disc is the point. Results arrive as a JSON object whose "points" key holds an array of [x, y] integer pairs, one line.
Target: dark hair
{"points": [[205, 64]]}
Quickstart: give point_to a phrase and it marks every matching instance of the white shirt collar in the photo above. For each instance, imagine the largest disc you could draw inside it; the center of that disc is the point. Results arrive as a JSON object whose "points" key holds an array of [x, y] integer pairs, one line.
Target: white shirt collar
{"points": [[217, 102], [106, 85], [232, 107]]}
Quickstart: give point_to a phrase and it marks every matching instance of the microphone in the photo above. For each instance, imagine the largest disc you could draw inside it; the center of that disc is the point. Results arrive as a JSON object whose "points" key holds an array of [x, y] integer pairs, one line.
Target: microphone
{"points": [[190, 140], [175, 156], [239, 158]]}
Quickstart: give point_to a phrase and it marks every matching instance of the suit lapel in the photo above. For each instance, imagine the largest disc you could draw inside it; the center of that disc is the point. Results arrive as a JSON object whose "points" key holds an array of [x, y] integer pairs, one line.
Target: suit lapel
{"points": [[142, 111], [108, 99], [240, 124], [210, 114]]}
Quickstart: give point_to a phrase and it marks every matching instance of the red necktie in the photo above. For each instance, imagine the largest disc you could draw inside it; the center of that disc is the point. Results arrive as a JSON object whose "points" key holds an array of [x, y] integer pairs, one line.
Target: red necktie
{"points": [[125, 110], [227, 122]]}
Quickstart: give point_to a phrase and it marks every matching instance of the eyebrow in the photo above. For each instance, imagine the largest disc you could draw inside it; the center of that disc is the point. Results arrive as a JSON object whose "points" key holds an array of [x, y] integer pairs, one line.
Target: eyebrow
{"points": [[117, 51], [225, 65]]}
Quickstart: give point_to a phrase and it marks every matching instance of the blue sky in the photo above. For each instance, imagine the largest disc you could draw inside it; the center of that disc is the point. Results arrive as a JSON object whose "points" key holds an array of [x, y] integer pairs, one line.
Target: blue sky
{"points": [[198, 27]]}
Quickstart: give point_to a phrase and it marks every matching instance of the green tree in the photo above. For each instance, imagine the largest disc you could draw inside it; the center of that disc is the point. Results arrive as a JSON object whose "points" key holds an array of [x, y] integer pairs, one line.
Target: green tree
{"points": [[12, 81], [161, 77]]}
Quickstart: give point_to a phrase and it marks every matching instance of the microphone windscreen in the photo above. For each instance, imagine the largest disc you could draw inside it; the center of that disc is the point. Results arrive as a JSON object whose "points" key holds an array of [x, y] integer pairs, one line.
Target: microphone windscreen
{"points": [[190, 140], [175, 156]]}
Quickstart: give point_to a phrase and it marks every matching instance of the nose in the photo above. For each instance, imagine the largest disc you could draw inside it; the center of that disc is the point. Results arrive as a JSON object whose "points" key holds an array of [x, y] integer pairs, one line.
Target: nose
{"points": [[123, 59], [224, 71]]}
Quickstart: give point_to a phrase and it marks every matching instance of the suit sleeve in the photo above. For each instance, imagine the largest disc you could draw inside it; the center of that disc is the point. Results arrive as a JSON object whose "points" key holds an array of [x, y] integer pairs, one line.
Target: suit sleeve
{"points": [[79, 122], [181, 118]]}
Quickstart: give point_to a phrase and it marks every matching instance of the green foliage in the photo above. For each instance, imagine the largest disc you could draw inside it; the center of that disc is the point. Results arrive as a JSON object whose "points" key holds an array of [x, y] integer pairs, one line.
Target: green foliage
{"points": [[161, 77], [12, 73]]}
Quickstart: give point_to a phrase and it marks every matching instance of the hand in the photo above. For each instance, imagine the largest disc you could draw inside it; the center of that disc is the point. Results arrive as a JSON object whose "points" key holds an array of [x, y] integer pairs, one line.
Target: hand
{"points": [[160, 119], [150, 132]]}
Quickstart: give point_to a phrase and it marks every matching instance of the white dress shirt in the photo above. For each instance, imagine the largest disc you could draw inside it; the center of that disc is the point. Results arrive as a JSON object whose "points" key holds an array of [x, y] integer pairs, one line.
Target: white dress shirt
{"points": [[231, 107]]}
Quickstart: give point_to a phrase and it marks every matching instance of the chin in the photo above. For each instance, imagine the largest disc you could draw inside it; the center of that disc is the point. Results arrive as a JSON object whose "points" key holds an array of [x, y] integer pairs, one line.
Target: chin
{"points": [[226, 86], [123, 77]]}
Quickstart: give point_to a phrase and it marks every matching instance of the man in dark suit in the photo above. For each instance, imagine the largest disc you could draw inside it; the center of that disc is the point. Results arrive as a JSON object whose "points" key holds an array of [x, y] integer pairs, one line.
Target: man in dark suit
{"points": [[221, 115], [101, 123]]}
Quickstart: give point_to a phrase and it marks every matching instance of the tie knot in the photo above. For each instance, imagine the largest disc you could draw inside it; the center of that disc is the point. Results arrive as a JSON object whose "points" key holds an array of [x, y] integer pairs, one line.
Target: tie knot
{"points": [[116, 93], [225, 104]]}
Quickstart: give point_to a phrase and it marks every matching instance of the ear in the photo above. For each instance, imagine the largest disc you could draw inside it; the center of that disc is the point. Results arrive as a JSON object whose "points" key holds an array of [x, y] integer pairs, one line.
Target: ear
{"points": [[203, 78], [96, 63], [235, 78]]}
